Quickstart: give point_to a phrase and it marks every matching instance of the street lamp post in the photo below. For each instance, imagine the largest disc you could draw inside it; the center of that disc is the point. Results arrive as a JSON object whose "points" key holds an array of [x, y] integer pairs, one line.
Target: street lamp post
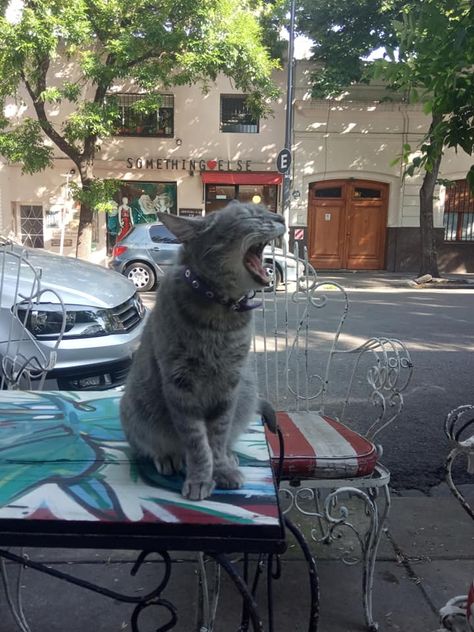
{"points": [[289, 114]]}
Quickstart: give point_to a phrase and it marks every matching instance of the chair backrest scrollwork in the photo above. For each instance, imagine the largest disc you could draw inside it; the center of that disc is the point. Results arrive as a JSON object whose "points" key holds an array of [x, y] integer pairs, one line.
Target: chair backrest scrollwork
{"points": [[25, 362], [306, 361]]}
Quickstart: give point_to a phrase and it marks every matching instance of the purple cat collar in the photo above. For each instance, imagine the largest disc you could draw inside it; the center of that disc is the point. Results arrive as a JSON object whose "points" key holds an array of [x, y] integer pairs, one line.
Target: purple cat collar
{"points": [[243, 304]]}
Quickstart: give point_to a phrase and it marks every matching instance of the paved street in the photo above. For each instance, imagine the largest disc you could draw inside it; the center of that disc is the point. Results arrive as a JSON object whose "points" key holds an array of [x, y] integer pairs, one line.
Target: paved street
{"points": [[438, 328]]}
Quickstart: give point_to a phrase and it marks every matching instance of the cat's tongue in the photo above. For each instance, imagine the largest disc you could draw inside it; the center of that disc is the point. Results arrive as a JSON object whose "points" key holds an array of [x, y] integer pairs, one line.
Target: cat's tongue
{"points": [[253, 264]]}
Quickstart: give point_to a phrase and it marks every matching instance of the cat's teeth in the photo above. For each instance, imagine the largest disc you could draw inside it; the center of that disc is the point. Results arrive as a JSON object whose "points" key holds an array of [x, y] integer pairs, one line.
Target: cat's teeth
{"points": [[254, 265]]}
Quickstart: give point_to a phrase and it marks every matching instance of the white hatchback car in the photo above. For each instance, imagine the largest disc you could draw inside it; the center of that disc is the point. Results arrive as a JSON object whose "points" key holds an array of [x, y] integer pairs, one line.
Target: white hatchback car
{"points": [[103, 324]]}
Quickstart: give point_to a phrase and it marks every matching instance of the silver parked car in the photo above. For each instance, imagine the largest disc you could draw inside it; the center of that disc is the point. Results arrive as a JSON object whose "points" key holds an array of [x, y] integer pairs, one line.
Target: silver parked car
{"points": [[104, 317], [146, 252]]}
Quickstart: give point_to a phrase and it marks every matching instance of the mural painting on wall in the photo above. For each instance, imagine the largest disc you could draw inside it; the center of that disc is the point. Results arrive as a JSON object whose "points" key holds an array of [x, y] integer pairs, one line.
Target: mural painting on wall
{"points": [[138, 203]]}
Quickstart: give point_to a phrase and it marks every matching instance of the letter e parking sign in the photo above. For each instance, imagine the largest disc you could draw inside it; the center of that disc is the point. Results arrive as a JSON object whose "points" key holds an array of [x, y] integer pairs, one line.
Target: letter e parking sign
{"points": [[283, 162]]}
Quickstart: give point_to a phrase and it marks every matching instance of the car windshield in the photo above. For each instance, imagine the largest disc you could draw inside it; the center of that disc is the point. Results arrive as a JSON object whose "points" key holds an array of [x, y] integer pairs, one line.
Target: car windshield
{"points": [[161, 235]]}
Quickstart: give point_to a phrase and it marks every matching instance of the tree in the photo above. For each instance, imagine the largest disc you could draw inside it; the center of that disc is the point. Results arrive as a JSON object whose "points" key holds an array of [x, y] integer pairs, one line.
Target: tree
{"points": [[156, 44], [428, 57]]}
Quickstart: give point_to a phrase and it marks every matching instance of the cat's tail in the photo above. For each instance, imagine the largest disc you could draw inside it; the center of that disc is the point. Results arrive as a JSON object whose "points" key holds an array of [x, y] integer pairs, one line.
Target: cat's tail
{"points": [[268, 414]]}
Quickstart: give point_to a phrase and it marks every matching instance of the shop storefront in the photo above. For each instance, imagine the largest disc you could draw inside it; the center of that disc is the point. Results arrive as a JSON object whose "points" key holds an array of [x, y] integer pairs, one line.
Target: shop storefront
{"points": [[186, 187], [260, 188]]}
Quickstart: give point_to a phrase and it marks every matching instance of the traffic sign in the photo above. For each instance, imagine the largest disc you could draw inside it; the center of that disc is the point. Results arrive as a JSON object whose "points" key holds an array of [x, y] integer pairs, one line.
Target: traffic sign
{"points": [[283, 161]]}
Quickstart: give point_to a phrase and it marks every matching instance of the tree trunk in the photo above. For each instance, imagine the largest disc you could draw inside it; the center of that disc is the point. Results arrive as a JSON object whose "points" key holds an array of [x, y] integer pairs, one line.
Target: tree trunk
{"points": [[429, 255], [84, 231]]}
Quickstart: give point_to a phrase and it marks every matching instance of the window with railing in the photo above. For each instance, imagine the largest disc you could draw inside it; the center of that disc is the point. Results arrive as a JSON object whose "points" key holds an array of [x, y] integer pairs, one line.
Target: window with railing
{"points": [[236, 116], [459, 212], [133, 122]]}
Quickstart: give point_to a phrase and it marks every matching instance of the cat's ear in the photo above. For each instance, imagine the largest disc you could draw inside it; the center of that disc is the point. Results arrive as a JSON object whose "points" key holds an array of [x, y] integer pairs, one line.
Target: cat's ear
{"points": [[183, 228]]}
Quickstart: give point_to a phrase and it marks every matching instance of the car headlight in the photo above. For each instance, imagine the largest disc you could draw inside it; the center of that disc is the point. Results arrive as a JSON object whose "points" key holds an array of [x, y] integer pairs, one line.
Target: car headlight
{"points": [[45, 321]]}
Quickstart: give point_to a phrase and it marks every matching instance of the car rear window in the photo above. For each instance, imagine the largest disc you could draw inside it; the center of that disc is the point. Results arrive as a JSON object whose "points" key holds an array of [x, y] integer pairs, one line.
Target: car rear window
{"points": [[161, 235]]}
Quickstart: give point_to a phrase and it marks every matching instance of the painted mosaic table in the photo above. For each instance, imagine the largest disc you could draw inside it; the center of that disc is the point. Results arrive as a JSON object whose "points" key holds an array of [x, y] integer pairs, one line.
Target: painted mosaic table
{"points": [[69, 479]]}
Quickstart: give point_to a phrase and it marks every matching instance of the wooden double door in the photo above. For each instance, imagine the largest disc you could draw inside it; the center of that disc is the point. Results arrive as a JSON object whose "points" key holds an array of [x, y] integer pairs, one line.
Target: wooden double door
{"points": [[347, 224]]}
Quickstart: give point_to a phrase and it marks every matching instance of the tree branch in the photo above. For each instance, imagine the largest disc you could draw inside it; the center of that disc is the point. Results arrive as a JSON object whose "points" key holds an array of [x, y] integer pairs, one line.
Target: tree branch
{"points": [[46, 125], [146, 56]]}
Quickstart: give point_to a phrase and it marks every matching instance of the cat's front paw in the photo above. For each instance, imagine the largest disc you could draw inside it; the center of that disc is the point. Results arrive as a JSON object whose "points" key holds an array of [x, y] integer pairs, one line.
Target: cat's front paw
{"points": [[197, 490], [228, 477], [169, 464]]}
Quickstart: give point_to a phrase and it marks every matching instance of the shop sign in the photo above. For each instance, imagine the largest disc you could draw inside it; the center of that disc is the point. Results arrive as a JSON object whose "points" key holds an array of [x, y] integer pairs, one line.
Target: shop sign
{"points": [[190, 212], [185, 164]]}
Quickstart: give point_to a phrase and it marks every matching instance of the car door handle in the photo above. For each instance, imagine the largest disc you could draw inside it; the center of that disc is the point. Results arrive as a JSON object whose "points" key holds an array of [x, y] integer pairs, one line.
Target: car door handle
{"points": [[156, 248]]}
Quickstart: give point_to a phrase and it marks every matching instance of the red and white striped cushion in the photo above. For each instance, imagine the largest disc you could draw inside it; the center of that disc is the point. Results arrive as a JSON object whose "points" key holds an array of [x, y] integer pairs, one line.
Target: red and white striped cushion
{"points": [[321, 447], [470, 607]]}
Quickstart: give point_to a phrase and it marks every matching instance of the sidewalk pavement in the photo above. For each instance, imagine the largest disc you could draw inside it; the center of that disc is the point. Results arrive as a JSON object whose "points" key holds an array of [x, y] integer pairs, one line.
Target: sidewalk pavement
{"points": [[426, 556], [373, 279]]}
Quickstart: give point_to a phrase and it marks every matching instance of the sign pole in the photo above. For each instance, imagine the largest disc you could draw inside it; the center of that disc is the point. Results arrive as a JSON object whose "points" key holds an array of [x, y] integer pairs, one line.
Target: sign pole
{"points": [[289, 117]]}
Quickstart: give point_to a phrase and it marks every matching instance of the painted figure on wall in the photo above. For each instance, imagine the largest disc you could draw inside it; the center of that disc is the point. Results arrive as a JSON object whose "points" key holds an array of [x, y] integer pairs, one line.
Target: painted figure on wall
{"points": [[125, 218], [113, 226], [138, 203]]}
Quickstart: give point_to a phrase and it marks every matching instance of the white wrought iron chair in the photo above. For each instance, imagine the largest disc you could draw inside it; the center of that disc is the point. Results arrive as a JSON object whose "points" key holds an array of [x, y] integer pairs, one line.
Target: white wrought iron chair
{"points": [[458, 614], [330, 463], [24, 362]]}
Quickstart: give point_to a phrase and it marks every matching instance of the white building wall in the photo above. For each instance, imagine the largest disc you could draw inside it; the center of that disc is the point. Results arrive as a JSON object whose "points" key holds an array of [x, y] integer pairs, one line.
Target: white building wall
{"points": [[196, 125], [360, 136]]}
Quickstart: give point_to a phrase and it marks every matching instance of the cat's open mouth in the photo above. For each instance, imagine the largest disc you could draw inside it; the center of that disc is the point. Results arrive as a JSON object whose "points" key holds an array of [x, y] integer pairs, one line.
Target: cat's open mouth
{"points": [[253, 263]]}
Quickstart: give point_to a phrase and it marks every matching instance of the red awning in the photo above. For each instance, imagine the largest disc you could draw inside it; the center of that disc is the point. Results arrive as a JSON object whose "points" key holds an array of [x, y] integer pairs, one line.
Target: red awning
{"points": [[241, 177]]}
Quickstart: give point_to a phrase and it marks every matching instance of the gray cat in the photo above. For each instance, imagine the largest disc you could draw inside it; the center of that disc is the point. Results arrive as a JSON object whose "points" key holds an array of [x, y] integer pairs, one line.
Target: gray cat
{"points": [[190, 391]]}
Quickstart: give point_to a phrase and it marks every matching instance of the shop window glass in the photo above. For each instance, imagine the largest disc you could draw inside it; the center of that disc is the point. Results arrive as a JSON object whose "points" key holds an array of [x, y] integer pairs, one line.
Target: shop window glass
{"points": [[216, 192], [259, 194], [159, 123], [459, 212], [365, 192], [218, 196], [328, 192], [138, 202], [236, 116]]}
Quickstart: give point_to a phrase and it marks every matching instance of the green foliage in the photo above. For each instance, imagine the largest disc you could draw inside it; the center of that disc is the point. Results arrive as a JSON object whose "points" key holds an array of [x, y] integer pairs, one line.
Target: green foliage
{"points": [[94, 45], [96, 194], [25, 144], [429, 58], [91, 120], [344, 33]]}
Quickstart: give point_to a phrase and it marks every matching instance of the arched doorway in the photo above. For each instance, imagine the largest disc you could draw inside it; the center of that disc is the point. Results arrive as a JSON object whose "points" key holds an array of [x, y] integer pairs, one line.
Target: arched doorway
{"points": [[347, 224]]}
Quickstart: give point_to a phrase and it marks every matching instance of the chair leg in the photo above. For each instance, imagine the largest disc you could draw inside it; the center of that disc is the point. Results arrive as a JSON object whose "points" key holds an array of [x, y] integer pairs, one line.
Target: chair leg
{"points": [[208, 595], [338, 517], [313, 575], [370, 553]]}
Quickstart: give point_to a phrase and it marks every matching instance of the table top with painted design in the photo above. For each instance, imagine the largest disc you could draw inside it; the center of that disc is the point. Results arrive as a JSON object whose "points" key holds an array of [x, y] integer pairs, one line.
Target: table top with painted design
{"points": [[69, 478]]}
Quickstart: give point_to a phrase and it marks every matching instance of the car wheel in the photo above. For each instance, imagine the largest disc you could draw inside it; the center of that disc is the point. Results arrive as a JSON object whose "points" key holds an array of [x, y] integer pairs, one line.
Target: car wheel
{"points": [[141, 275], [275, 274]]}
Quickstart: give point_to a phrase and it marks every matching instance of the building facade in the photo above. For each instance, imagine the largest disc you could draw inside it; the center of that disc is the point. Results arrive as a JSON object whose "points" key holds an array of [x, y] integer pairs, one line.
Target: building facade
{"points": [[349, 201], [195, 155]]}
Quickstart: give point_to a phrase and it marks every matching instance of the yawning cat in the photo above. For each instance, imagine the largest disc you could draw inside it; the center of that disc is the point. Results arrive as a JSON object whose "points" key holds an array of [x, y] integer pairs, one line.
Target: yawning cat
{"points": [[190, 391]]}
